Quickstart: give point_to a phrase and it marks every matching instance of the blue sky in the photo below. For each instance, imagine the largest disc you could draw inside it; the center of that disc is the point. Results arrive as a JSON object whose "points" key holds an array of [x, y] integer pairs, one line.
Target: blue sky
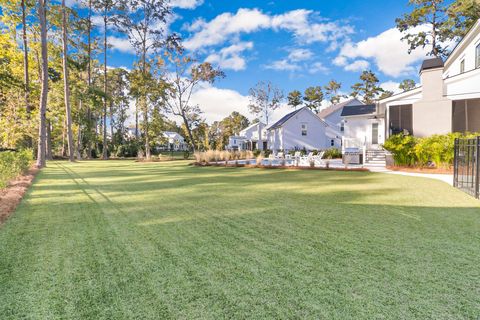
{"points": [[294, 44]]}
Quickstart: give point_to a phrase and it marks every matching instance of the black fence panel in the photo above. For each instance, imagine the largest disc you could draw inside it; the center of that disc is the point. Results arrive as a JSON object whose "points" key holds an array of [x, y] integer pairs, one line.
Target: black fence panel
{"points": [[466, 166]]}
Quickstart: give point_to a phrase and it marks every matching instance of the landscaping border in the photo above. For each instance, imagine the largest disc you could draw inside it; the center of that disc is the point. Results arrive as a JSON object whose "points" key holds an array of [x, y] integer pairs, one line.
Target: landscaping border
{"points": [[12, 195], [277, 167]]}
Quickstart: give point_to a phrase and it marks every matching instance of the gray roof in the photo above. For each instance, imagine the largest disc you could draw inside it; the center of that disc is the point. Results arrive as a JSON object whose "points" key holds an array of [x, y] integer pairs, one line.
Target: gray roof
{"points": [[359, 110], [284, 119], [328, 111], [432, 64]]}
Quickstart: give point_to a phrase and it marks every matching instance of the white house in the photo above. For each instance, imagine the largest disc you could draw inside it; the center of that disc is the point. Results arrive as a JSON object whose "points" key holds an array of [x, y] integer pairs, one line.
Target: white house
{"points": [[448, 99], [363, 127], [174, 141], [298, 130], [254, 137], [332, 116]]}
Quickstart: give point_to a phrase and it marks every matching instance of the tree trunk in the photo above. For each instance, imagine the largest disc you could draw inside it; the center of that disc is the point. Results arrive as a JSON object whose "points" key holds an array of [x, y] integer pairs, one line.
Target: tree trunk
{"points": [[78, 149], [42, 17], [68, 113], [25, 60], [111, 123], [105, 88], [189, 131], [136, 119], [89, 144], [145, 126], [49, 153]]}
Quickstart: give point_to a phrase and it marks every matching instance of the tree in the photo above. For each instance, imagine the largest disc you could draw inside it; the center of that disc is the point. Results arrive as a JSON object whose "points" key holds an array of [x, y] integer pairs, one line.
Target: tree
{"points": [[42, 18], [294, 99], [331, 91], [107, 8], [186, 75], [407, 84], [313, 98], [430, 13], [368, 87], [230, 126], [144, 21], [264, 99], [385, 94], [66, 84], [462, 15]]}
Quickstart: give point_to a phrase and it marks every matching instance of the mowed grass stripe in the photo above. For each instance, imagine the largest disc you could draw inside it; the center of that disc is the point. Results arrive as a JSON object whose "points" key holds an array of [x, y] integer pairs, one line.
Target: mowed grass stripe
{"points": [[120, 239]]}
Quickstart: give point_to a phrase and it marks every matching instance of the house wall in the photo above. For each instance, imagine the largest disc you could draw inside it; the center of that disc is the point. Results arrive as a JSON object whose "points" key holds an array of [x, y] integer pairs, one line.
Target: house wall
{"points": [[359, 129], [256, 133], [289, 136], [464, 51]]}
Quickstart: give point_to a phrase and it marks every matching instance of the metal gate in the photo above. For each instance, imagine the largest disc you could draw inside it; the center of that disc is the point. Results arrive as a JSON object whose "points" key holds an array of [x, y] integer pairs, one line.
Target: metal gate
{"points": [[466, 166]]}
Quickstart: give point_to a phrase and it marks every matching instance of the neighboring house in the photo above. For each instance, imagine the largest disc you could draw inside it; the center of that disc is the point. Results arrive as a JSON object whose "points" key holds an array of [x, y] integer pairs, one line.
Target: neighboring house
{"points": [[253, 137], [448, 99], [332, 116], [300, 129], [173, 142], [131, 130], [364, 127]]}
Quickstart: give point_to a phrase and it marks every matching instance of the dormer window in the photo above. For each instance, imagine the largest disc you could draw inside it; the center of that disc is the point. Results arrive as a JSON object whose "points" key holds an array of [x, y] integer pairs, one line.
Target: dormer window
{"points": [[462, 66], [477, 56]]}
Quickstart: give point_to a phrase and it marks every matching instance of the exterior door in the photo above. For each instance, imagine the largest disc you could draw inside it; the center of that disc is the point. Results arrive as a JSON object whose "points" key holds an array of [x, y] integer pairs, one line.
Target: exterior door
{"points": [[374, 133]]}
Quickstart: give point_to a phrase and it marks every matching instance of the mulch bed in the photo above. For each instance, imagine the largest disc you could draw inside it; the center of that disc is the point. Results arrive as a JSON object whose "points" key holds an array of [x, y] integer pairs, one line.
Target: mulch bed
{"points": [[11, 196], [422, 170], [276, 167]]}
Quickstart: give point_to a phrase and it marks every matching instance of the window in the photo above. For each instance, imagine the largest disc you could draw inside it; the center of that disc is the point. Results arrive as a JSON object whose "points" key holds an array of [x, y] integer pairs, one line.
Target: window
{"points": [[477, 56], [342, 127], [462, 66], [304, 129], [332, 143]]}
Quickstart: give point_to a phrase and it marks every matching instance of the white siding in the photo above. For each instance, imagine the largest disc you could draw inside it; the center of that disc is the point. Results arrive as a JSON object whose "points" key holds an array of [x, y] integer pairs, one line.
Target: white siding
{"points": [[464, 51], [359, 129], [290, 137]]}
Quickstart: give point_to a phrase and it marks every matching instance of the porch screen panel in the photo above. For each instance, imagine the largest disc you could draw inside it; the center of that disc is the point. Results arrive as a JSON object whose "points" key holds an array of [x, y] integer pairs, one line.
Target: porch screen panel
{"points": [[473, 106], [459, 123], [401, 119]]}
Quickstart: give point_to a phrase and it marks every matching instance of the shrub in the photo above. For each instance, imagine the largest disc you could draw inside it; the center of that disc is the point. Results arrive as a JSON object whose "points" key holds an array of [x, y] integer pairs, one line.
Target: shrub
{"points": [[402, 148], [332, 153], [256, 152], [436, 149], [13, 164]]}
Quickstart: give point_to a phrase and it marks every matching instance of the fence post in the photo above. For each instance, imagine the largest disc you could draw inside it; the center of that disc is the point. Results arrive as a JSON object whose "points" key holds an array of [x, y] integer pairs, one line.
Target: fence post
{"points": [[455, 163], [477, 166]]}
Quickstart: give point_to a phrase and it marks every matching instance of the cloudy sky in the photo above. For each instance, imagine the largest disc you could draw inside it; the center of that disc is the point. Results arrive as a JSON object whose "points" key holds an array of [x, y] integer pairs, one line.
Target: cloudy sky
{"points": [[294, 44]]}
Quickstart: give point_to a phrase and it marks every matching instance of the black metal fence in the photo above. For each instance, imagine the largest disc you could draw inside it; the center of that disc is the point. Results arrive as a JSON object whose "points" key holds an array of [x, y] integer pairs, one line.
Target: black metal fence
{"points": [[466, 174]]}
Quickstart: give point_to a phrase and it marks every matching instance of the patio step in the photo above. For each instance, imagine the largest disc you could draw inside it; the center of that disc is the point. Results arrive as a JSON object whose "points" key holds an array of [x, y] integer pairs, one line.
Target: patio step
{"points": [[375, 157]]}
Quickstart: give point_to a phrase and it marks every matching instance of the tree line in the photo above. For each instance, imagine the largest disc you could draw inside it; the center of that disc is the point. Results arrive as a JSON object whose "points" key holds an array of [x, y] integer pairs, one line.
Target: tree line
{"points": [[59, 96]]}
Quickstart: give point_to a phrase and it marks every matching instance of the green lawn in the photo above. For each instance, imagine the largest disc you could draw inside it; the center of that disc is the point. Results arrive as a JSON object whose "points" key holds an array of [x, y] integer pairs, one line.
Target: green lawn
{"points": [[119, 239]]}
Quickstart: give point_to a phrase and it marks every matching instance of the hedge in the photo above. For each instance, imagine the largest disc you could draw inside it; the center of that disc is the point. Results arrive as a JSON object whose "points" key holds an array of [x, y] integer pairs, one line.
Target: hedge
{"points": [[13, 164], [436, 150]]}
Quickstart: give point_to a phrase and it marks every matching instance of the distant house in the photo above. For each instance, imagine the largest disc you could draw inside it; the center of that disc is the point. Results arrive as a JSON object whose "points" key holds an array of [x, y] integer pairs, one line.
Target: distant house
{"points": [[332, 116], [300, 129], [448, 99], [173, 142], [253, 137]]}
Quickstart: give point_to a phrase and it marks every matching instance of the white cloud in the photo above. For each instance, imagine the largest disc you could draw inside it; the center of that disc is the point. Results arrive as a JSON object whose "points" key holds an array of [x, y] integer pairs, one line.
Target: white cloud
{"points": [[186, 4], [227, 25], [386, 50], [283, 65], [120, 44], [357, 65], [300, 54], [317, 67], [218, 103], [229, 57], [391, 86]]}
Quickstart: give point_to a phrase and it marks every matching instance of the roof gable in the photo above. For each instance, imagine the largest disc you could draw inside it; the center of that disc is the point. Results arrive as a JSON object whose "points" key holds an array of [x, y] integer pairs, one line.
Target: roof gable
{"points": [[359, 110], [329, 110], [287, 117]]}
